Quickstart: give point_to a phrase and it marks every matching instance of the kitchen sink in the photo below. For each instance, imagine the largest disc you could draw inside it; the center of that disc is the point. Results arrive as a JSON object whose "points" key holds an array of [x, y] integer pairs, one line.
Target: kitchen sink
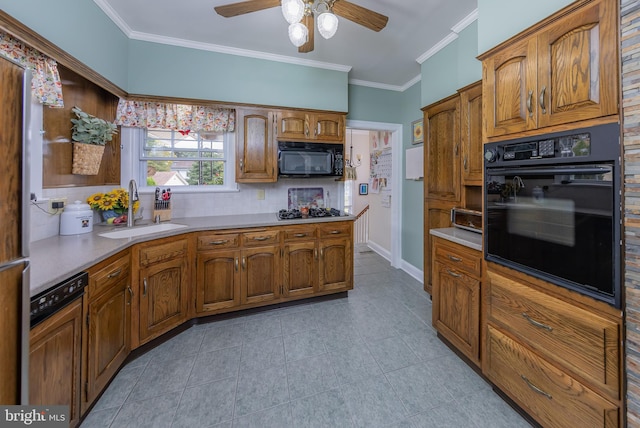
{"points": [[131, 232]]}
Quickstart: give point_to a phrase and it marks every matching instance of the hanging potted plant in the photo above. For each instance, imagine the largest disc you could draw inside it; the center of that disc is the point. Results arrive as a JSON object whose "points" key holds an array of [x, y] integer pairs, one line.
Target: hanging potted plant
{"points": [[89, 134]]}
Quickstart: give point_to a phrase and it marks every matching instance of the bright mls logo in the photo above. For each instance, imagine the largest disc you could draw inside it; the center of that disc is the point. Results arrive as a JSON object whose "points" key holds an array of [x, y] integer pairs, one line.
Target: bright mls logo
{"points": [[36, 416]]}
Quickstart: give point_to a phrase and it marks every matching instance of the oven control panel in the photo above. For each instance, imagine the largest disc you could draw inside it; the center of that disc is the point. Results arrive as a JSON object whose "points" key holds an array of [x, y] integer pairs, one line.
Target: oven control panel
{"points": [[567, 146]]}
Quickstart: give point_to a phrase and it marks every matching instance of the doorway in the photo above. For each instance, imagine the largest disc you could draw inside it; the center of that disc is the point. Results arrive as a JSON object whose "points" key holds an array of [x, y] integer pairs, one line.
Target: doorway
{"points": [[384, 202]]}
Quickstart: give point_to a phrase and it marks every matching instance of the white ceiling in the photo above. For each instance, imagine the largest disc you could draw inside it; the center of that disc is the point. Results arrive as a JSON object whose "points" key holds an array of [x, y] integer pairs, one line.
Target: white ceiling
{"points": [[389, 59]]}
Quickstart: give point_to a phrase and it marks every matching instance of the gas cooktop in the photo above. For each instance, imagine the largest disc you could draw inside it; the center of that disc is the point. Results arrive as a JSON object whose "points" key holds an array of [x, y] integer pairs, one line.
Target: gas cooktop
{"points": [[294, 214]]}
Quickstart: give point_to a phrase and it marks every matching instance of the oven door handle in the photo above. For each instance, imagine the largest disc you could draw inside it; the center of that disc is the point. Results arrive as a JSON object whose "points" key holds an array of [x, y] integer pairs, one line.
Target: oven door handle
{"points": [[555, 171]]}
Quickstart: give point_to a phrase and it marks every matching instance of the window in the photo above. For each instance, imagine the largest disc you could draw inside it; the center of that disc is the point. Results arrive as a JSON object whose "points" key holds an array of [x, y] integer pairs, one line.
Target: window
{"points": [[170, 158]]}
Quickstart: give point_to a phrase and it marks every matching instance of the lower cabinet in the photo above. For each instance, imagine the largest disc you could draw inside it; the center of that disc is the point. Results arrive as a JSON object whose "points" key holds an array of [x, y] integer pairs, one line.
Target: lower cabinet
{"points": [[260, 274], [556, 355], [217, 272], [456, 296], [107, 339], [54, 360], [336, 256], [300, 261], [163, 286]]}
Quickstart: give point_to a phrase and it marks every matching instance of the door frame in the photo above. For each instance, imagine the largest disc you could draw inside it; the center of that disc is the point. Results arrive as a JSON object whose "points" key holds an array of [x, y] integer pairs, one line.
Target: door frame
{"points": [[396, 181]]}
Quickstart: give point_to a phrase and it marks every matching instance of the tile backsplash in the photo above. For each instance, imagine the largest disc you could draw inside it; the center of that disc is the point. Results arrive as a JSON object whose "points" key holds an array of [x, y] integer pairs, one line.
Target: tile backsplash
{"points": [[244, 201]]}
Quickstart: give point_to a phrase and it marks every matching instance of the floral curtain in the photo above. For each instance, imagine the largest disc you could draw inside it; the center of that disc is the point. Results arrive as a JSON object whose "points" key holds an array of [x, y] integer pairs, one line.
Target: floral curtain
{"points": [[183, 118], [46, 86]]}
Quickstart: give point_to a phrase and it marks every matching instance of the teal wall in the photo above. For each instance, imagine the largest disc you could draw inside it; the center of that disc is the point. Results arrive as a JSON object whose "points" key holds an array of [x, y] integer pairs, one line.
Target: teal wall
{"points": [[81, 29], [452, 68], [499, 20], [412, 191], [208, 75]]}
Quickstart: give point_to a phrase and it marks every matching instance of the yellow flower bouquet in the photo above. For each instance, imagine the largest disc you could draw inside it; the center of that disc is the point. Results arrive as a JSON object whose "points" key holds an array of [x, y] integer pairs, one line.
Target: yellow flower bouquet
{"points": [[112, 205]]}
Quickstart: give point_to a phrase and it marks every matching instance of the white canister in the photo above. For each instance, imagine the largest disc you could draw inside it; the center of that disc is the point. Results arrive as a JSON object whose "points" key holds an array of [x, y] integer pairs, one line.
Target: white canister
{"points": [[77, 218]]}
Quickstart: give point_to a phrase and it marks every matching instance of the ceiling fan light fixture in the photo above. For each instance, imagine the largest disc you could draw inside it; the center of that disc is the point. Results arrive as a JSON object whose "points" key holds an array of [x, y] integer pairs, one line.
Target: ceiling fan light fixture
{"points": [[298, 34], [327, 24], [292, 10]]}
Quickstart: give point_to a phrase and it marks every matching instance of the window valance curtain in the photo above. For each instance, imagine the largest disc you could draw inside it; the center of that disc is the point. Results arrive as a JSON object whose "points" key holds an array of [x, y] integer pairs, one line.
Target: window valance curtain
{"points": [[46, 86], [181, 117]]}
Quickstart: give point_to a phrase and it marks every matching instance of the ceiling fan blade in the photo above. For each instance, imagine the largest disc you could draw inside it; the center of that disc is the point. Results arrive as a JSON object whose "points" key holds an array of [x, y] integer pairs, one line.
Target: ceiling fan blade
{"points": [[307, 20], [235, 9], [360, 15]]}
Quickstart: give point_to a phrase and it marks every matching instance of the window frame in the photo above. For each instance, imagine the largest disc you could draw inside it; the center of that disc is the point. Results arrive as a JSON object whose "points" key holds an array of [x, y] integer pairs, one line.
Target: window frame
{"points": [[133, 141]]}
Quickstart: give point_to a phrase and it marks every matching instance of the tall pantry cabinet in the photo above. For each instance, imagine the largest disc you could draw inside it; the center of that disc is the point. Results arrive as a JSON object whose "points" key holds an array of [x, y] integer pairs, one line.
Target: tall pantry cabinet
{"points": [[452, 162]]}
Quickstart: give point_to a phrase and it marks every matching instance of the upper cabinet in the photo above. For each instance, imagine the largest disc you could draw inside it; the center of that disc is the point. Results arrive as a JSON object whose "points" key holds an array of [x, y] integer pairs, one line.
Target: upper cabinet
{"points": [[442, 149], [294, 125], [256, 149], [563, 70], [471, 134]]}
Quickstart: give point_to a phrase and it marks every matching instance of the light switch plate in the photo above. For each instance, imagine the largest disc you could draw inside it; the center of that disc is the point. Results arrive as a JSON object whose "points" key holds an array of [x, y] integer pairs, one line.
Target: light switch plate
{"points": [[260, 194]]}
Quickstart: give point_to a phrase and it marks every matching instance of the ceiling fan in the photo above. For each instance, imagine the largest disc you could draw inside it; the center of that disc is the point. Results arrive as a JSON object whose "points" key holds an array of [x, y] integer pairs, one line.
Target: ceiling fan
{"points": [[303, 31]]}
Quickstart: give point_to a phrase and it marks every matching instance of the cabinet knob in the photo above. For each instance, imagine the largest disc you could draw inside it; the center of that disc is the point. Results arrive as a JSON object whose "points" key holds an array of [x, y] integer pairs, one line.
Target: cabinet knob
{"points": [[536, 323], [454, 258], [260, 238], [530, 103], [241, 164], [219, 242], [144, 287], [453, 274]]}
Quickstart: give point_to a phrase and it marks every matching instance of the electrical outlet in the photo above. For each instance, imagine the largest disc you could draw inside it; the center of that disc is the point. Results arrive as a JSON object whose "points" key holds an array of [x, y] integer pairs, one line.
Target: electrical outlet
{"points": [[56, 205]]}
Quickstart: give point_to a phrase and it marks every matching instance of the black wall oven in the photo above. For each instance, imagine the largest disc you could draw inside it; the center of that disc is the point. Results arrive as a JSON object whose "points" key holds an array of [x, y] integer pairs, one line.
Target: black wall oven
{"points": [[552, 209]]}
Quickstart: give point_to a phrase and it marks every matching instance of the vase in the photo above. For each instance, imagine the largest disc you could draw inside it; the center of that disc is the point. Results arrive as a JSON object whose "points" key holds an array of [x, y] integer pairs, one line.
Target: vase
{"points": [[107, 214]]}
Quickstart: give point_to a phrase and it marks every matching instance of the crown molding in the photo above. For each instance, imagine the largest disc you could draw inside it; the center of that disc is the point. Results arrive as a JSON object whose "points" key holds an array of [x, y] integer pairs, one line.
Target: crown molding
{"points": [[455, 30], [384, 86]]}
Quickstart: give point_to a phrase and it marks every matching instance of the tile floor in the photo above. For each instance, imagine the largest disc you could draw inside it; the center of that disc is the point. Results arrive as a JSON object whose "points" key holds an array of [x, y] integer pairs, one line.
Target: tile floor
{"points": [[369, 360]]}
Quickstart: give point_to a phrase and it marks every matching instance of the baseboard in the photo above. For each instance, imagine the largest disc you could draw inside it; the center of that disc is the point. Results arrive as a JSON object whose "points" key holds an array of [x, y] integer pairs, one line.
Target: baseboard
{"points": [[380, 250], [413, 271], [417, 274]]}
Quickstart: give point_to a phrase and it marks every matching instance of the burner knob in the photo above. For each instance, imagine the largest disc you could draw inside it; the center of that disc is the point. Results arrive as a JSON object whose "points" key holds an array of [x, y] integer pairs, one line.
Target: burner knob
{"points": [[491, 155]]}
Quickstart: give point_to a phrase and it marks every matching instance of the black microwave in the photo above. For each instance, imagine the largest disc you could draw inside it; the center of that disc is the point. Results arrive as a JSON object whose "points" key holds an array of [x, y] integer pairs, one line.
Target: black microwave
{"points": [[298, 159]]}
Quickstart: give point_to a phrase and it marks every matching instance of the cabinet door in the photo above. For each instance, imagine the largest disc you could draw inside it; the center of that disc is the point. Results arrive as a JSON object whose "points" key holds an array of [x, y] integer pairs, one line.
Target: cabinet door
{"points": [[578, 66], [300, 268], [471, 135], [163, 299], [509, 89], [293, 125], [256, 151], [108, 337], [217, 280], [336, 264], [261, 275], [328, 127], [54, 361], [456, 309], [436, 215], [442, 164]]}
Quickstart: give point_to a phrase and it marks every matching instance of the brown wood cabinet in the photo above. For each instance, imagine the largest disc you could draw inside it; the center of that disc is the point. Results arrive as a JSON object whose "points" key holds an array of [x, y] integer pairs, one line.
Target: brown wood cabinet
{"points": [[471, 134], [106, 339], [456, 296], [442, 150], [563, 70], [297, 125], [217, 272], [300, 261], [162, 286], [256, 149], [559, 359], [260, 270], [336, 256], [54, 360]]}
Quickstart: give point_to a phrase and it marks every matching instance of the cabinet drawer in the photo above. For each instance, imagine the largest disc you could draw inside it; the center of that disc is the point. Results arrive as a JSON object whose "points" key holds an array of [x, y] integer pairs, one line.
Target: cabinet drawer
{"points": [[554, 398], [581, 341], [158, 252], [332, 230], [213, 241], [111, 274], [458, 256], [256, 239], [303, 233]]}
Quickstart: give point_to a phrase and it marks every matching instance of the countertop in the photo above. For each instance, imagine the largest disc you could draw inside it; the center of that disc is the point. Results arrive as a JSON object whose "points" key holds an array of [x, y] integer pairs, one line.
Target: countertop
{"points": [[459, 236], [57, 258]]}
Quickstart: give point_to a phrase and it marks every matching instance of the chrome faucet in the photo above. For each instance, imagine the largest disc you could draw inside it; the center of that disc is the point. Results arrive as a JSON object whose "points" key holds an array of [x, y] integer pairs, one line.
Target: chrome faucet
{"points": [[133, 196]]}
